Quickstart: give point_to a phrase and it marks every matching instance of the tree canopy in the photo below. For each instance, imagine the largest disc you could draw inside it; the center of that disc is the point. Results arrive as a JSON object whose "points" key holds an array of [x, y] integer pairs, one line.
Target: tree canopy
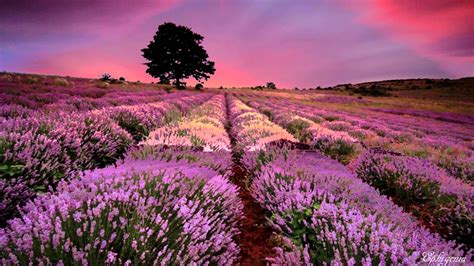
{"points": [[271, 85], [176, 53]]}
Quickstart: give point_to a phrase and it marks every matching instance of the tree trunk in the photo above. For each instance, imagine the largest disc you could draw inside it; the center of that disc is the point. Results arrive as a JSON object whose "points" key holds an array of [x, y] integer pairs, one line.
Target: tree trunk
{"points": [[178, 84]]}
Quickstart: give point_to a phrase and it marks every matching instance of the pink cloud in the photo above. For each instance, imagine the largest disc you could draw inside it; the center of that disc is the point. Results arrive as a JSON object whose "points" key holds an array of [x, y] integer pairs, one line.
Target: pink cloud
{"points": [[439, 30]]}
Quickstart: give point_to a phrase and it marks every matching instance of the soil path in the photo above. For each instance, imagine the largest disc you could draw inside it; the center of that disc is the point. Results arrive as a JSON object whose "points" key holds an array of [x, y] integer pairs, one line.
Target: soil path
{"points": [[254, 238]]}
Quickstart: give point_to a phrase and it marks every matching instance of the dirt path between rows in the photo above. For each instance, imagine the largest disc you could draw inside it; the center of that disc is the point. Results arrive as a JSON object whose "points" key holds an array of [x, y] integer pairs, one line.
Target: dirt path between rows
{"points": [[255, 234], [254, 239]]}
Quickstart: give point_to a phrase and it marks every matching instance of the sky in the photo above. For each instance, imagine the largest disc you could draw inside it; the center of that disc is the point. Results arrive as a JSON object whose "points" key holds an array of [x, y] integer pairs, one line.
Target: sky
{"points": [[293, 43]]}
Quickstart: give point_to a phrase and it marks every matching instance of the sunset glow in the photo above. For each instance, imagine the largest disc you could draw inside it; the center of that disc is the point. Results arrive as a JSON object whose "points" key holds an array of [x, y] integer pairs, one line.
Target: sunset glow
{"points": [[292, 43]]}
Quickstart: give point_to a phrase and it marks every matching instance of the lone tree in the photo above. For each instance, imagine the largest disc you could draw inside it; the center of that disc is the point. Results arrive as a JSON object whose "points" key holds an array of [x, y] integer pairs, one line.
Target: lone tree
{"points": [[176, 54], [271, 85]]}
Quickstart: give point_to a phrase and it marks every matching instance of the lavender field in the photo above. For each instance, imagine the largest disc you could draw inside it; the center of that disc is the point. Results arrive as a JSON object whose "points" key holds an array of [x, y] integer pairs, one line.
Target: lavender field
{"points": [[128, 173]]}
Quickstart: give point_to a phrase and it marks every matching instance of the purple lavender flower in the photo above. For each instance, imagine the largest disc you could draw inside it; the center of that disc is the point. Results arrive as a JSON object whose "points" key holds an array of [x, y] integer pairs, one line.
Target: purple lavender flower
{"points": [[332, 216], [415, 184], [137, 216]]}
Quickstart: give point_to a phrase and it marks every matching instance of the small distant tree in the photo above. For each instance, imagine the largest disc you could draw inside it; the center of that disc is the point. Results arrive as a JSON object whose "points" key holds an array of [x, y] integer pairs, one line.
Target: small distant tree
{"points": [[122, 79], [271, 85], [176, 53], [106, 77], [199, 87]]}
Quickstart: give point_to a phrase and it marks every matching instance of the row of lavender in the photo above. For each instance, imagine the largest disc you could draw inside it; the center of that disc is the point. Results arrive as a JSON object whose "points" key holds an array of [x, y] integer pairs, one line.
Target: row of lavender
{"points": [[39, 149], [251, 129], [448, 145], [158, 206], [54, 94], [83, 99], [203, 128], [338, 145], [441, 201], [168, 208], [322, 211]]}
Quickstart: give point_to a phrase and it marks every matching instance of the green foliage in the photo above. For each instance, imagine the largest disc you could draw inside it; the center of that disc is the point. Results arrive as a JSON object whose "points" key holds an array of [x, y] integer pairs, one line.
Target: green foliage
{"points": [[172, 116], [133, 126], [298, 127], [461, 170], [268, 113], [97, 157], [316, 119], [374, 90], [8, 169], [339, 150], [330, 118], [30, 79], [389, 181], [182, 132], [421, 196], [197, 142], [191, 158], [301, 233], [266, 156]]}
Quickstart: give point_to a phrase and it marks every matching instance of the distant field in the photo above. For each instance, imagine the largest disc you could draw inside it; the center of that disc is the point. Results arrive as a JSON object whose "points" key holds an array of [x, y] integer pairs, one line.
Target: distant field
{"points": [[95, 171]]}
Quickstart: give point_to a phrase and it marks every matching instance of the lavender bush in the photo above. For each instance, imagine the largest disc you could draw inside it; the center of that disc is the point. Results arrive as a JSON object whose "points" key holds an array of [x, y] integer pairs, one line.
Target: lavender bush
{"points": [[138, 120], [91, 140], [447, 145], [129, 173], [127, 218], [203, 127], [40, 149], [330, 216], [219, 161], [338, 145], [424, 189], [251, 129]]}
